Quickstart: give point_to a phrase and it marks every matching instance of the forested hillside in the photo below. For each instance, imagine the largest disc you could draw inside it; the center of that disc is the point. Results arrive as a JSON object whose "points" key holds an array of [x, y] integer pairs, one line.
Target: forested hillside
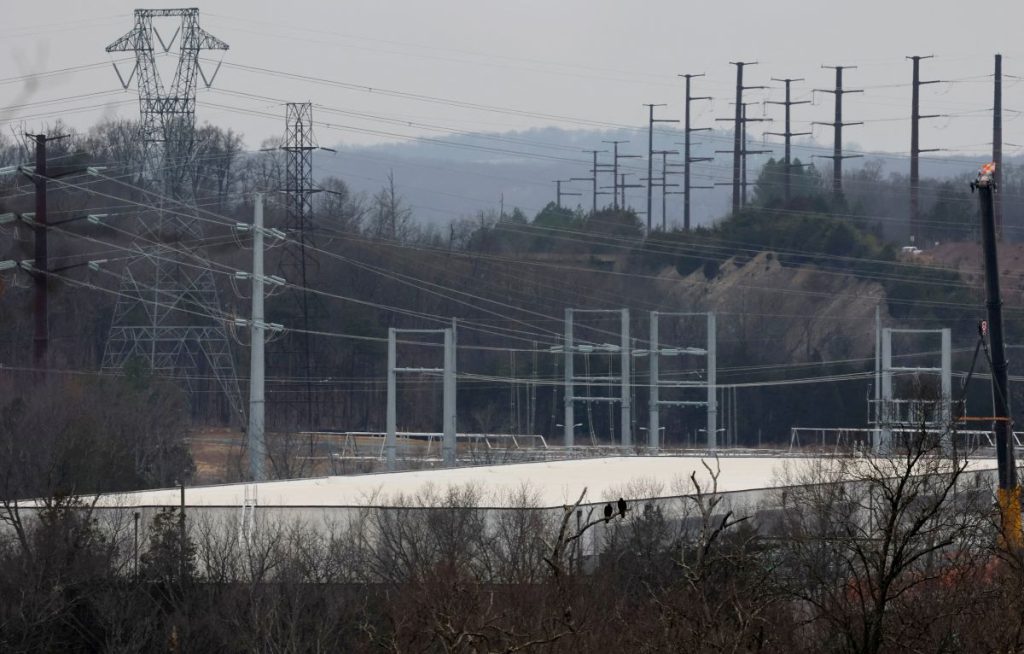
{"points": [[795, 285]]}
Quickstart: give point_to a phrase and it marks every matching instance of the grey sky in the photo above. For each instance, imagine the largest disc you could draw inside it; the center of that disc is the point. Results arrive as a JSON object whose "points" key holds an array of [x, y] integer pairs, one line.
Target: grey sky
{"points": [[591, 60]]}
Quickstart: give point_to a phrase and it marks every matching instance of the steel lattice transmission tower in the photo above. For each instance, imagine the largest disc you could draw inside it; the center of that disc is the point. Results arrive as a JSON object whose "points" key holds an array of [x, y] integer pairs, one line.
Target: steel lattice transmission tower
{"points": [[168, 313], [296, 258]]}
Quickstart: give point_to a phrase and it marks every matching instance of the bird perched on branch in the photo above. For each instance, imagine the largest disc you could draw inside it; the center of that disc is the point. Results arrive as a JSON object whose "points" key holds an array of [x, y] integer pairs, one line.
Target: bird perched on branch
{"points": [[622, 508], [608, 512]]}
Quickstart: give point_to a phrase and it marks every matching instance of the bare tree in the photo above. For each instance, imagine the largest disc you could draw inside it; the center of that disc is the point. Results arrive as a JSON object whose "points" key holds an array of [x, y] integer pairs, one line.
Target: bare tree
{"points": [[867, 539]]}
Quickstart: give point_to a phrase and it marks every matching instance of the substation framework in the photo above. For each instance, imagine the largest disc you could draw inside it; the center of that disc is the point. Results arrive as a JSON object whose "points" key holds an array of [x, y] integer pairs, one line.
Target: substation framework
{"points": [[570, 348], [168, 313], [447, 372], [892, 416], [891, 412], [657, 383]]}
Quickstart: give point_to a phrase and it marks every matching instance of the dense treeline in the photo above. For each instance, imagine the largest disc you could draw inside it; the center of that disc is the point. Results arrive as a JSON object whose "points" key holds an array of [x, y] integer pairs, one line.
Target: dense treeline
{"points": [[907, 554]]}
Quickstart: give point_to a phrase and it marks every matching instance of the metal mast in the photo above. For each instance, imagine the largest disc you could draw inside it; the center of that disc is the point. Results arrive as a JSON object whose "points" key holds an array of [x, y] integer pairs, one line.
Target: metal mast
{"points": [[1009, 492], [915, 147], [837, 124], [168, 314], [787, 135], [997, 141], [687, 159], [650, 159], [296, 259]]}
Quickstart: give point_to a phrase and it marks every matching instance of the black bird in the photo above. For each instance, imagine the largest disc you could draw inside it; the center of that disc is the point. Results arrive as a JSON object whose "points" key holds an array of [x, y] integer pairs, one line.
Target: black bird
{"points": [[607, 512], [622, 507]]}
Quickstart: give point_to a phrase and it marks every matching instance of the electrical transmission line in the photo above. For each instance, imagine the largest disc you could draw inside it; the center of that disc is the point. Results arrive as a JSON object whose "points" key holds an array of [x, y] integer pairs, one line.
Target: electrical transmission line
{"points": [[166, 336]]}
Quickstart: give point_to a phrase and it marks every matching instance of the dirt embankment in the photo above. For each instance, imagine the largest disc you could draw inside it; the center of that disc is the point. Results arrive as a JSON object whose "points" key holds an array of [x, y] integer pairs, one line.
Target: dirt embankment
{"points": [[966, 258], [782, 314]]}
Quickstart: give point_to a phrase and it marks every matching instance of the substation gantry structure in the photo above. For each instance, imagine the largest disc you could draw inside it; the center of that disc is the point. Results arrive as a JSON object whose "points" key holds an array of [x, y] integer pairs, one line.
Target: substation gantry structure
{"points": [[657, 383]]}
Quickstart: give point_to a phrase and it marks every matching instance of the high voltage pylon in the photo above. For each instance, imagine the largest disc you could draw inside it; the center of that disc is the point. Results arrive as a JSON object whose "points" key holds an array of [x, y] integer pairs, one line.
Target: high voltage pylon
{"points": [[298, 258], [168, 314], [788, 134], [837, 124], [915, 146]]}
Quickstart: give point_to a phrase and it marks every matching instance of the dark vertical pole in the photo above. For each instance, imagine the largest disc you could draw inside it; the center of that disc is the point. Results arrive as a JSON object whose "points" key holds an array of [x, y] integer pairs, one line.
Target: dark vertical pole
{"points": [[135, 516], [686, 159], [915, 115], [664, 190], [41, 264], [650, 162], [558, 193], [181, 537], [743, 157], [1008, 499], [787, 180], [915, 149], [736, 145], [997, 143], [837, 124], [593, 174], [837, 141], [615, 176]]}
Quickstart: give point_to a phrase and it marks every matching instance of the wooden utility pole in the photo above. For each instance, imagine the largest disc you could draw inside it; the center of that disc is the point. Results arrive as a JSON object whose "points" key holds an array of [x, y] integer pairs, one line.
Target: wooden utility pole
{"points": [[787, 135]]}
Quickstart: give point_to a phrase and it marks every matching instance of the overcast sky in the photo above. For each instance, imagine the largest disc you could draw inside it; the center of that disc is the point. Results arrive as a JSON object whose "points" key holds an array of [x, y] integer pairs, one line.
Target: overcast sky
{"points": [[579, 62]]}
